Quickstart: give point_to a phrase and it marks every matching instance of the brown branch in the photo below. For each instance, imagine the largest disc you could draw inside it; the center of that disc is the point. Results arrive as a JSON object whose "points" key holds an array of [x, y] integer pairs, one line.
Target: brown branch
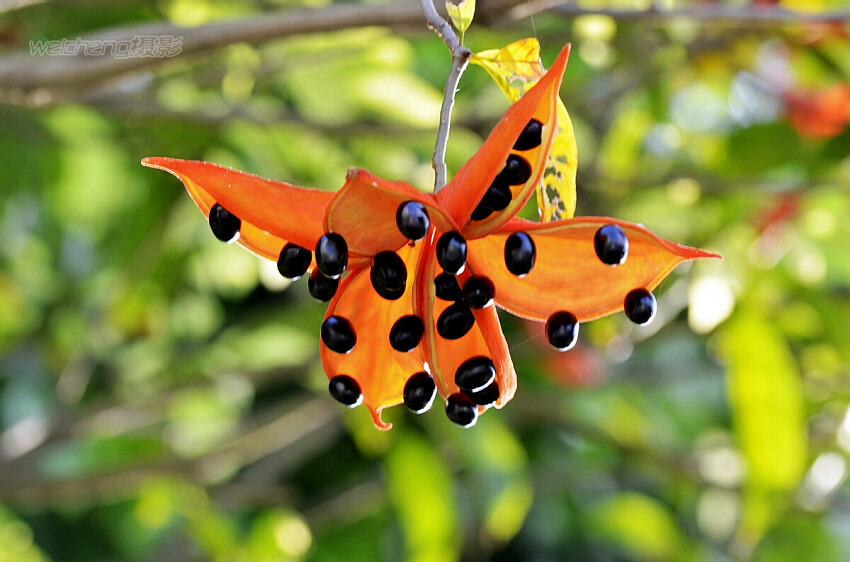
{"points": [[28, 72], [742, 16], [23, 72], [300, 429]]}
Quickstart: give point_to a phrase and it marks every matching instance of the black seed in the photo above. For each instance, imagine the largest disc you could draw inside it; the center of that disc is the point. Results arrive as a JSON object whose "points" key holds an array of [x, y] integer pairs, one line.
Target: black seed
{"points": [[498, 195], [447, 288], [478, 291], [462, 410], [338, 334], [224, 224], [481, 212], [476, 373], [520, 253], [455, 321], [419, 392], [346, 390], [294, 261], [611, 244], [321, 287], [487, 396], [562, 330], [451, 252], [412, 220], [332, 255], [517, 170], [530, 137], [406, 333], [640, 306], [388, 294], [388, 275]]}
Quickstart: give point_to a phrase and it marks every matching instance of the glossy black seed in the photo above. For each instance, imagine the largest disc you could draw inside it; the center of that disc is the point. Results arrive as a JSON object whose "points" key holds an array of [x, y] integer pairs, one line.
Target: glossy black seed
{"points": [[481, 212], [530, 137], [476, 373], [478, 291], [406, 333], [294, 261], [224, 224], [517, 170], [321, 287], [447, 288], [562, 330], [611, 244], [455, 321], [332, 255], [520, 253], [338, 334], [640, 306], [462, 410], [451, 252], [487, 396], [412, 220], [346, 390], [498, 195], [388, 275], [419, 392]]}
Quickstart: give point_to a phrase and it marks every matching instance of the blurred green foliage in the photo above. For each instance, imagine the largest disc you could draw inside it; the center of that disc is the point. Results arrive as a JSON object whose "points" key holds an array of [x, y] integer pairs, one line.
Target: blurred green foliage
{"points": [[161, 396]]}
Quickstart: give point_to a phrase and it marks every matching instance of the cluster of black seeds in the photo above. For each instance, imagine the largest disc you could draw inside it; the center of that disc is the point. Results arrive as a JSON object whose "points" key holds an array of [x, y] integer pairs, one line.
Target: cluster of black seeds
{"points": [[294, 261], [612, 248], [457, 319], [516, 171], [475, 377], [419, 391]]}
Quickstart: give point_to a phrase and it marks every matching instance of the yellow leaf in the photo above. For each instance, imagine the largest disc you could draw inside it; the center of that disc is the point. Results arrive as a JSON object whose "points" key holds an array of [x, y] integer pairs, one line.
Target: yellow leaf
{"points": [[516, 68], [461, 15]]}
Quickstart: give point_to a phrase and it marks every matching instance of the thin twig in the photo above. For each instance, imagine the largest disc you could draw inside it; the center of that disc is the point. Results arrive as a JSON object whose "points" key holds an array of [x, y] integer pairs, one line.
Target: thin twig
{"points": [[440, 25], [460, 58]]}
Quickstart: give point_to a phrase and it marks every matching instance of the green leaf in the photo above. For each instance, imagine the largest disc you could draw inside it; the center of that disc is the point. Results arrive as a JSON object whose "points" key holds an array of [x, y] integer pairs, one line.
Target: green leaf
{"points": [[800, 536], [461, 15], [420, 487], [502, 484], [766, 396], [640, 525]]}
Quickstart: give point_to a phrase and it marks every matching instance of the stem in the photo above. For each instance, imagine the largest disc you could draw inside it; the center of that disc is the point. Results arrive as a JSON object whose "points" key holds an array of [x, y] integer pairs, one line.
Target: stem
{"points": [[460, 58]]}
